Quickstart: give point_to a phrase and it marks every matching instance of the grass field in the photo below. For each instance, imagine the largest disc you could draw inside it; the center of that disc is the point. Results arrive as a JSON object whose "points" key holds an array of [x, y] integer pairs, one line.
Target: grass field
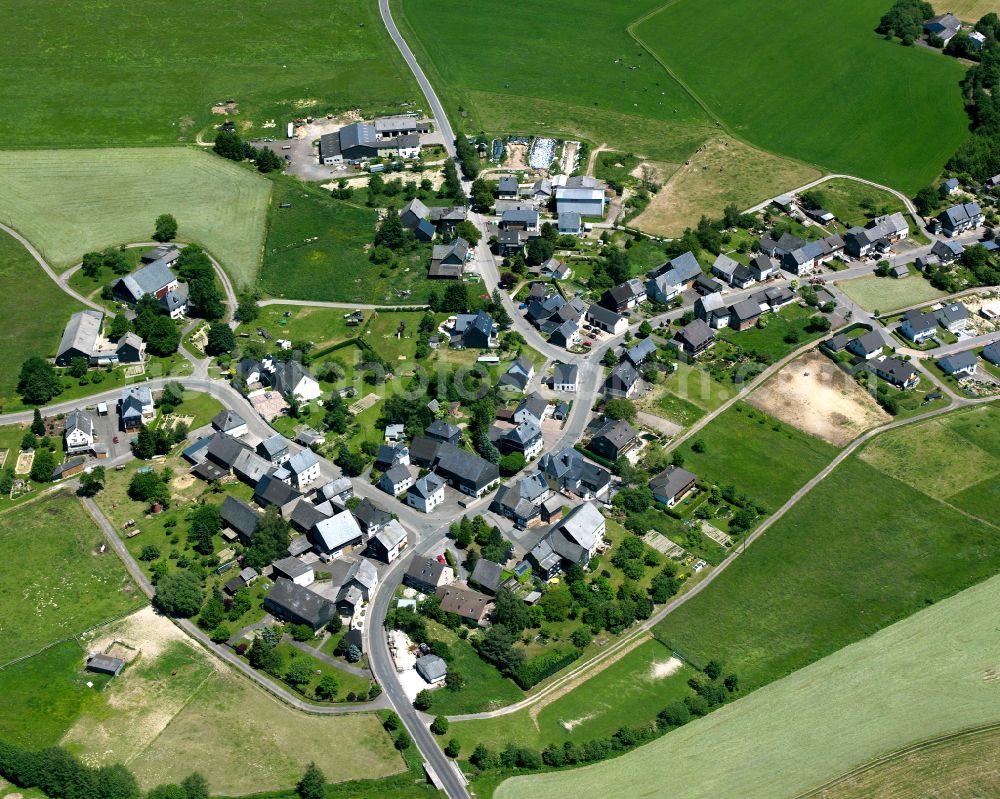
{"points": [[770, 340], [67, 202], [149, 73], [765, 459], [687, 395], [843, 199], [808, 76], [315, 251], [887, 293], [627, 692], [30, 328], [626, 100], [969, 10], [54, 585], [860, 551], [720, 172], [864, 701]]}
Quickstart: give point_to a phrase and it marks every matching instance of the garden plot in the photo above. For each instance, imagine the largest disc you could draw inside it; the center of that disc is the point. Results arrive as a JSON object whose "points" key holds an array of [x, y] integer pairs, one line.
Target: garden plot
{"points": [[812, 394], [363, 404]]}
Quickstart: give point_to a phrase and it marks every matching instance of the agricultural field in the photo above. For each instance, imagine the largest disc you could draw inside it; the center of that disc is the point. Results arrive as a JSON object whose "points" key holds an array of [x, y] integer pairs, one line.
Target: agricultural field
{"points": [[67, 202], [868, 699], [627, 100], [56, 583], [857, 553], [316, 250], [150, 73], [721, 171], [886, 294], [30, 328], [785, 77], [967, 10], [845, 200], [815, 396], [765, 459], [624, 690]]}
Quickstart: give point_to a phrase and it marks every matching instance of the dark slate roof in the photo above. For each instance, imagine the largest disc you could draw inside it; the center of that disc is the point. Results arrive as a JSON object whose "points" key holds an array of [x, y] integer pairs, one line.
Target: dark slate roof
{"points": [[442, 431], [226, 420], [464, 465], [919, 321], [695, 334], [292, 567], [565, 373], [958, 361], [424, 450], [426, 570], [303, 603], [671, 480], [746, 309], [603, 315], [622, 377], [273, 446], [239, 516], [641, 350], [487, 574], [371, 515], [271, 491]]}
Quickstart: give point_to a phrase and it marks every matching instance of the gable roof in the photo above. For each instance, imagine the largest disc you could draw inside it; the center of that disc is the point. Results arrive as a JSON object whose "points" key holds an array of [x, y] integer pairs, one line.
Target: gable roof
{"points": [[918, 321], [622, 377], [671, 481], [371, 515], [271, 491], [292, 567], [226, 420], [80, 420], [565, 373], [487, 574], [695, 334], [465, 465], [581, 525], [301, 602], [871, 341], [641, 350], [958, 361], [605, 316], [81, 332], [272, 446], [337, 531], [463, 601], [288, 375], [149, 280]]}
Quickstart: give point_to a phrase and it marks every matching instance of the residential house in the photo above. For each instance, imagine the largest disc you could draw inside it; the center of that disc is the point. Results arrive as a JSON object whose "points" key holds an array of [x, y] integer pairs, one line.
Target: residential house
{"points": [[298, 605], [763, 268], [672, 484], [607, 320], [961, 364], [713, 310], [534, 408], [960, 218], [804, 259], [554, 269], [867, 346], [448, 260], [950, 186], [426, 575], [465, 471], [521, 220], [644, 348], [947, 252], [305, 515], [918, 326], [135, 407], [447, 219], [744, 314], [388, 542], [464, 602], [991, 352], [900, 373], [395, 480], [777, 248], [567, 470], [230, 423], [581, 194], [569, 223], [272, 491], [668, 280], [625, 296], [953, 317], [440, 430], [613, 440], [413, 213], [394, 433], [977, 40], [623, 382], [876, 236], [945, 26], [518, 375], [565, 377], [521, 501], [79, 433], [573, 540], [302, 469], [293, 569], [511, 241], [292, 379], [704, 284], [743, 277], [389, 455], [526, 438], [507, 188], [358, 586], [567, 335], [541, 190], [695, 337], [330, 536], [240, 518], [274, 449], [475, 331], [723, 268], [371, 518], [486, 575], [337, 491], [426, 493]]}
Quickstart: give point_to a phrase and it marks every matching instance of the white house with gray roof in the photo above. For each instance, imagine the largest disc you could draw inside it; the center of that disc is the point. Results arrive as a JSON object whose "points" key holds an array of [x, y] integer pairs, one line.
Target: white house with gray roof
{"points": [[565, 377], [79, 432], [300, 470], [426, 493], [332, 535], [154, 280]]}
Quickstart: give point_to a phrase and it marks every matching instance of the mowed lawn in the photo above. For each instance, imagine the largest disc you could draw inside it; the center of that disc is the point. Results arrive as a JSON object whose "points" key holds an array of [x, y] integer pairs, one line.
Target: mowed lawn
{"points": [[820, 86], [631, 691], [315, 250], [54, 584], [859, 552], [30, 328], [67, 202], [765, 459], [578, 72], [888, 293], [149, 72], [927, 675]]}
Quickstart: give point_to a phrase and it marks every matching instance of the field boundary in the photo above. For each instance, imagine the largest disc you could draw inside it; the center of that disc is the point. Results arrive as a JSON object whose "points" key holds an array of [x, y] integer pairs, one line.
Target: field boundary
{"points": [[75, 637]]}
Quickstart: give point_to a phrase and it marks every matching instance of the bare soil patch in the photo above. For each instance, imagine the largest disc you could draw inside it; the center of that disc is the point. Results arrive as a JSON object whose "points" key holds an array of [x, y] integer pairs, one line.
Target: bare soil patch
{"points": [[143, 631], [24, 461], [816, 397], [720, 172], [665, 668]]}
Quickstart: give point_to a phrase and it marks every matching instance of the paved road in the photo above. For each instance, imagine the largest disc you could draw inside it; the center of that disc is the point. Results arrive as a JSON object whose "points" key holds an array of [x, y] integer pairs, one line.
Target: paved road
{"points": [[444, 126]]}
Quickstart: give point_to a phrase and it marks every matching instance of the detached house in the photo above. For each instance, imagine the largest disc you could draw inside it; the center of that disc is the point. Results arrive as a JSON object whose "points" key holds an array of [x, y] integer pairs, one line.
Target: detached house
{"points": [[448, 260], [300, 470], [565, 377], [521, 501], [953, 317], [670, 279], [298, 605], [918, 326], [332, 535], [475, 331], [615, 439], [426, 493], [465, 471], [526, 438], [623, 382], [946, 252], [573, 540], [135, 407], [387, 543], [292, 379], [464, 602], [672, 484], [426, 575], [876, 236], [568, 471], [518, 375], [155, 280], [961, 364], [395, 480], [868, 346], [625, 296], [640, 351], [713, 310], [695, 337], [79, 433], [900, 373]]}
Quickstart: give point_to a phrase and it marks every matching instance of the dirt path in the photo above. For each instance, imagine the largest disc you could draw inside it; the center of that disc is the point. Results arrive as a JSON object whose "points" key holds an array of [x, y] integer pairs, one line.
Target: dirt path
{"points": [[601, 148]]}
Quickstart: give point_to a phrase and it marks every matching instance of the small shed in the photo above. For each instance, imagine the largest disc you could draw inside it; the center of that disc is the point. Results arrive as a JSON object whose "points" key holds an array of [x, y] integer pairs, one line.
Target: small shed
{"points": [[105, 664]]}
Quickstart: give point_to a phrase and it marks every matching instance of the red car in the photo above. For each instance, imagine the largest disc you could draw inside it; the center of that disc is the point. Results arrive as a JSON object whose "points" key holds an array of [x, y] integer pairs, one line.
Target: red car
{"points": [[441, 559], [115, 439]]}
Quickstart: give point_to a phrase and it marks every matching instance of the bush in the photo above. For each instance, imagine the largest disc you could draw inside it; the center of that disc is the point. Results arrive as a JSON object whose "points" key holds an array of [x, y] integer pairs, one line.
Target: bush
{"points": [[440, 725], [178, 594]]}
